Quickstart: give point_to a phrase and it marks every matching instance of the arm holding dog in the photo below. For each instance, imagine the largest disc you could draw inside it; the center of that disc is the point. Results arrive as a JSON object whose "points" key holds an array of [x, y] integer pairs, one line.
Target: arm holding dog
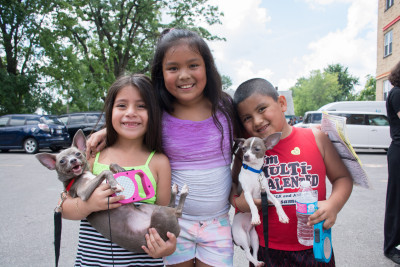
{"points": [[77, 209], [340, 179], [161, 168]]}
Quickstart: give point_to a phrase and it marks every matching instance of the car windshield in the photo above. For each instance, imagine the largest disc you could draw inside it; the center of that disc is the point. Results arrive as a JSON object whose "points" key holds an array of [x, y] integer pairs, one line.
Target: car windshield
{"points": [[51, 120]]}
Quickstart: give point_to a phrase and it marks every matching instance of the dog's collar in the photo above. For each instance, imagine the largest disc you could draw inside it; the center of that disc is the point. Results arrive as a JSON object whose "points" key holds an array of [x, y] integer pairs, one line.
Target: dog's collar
{"points": [[70, 185], [247, 167]]}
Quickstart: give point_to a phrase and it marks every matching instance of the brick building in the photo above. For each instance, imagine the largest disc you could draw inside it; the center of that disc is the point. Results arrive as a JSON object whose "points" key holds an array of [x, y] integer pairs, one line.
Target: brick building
{"points": [[388, 47]]}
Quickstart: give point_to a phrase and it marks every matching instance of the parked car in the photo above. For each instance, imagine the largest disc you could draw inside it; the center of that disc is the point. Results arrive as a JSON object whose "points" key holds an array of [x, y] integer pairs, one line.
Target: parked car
{"points": [[363, 129], [89, 122], [32, 132]]}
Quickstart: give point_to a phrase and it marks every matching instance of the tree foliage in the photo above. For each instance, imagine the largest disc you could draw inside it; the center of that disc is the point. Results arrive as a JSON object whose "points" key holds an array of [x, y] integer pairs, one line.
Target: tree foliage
{"points": [[91, 43], [70, 51], [315, 91], [369, 91], [226, 82], [20, 52], [345, 80]]}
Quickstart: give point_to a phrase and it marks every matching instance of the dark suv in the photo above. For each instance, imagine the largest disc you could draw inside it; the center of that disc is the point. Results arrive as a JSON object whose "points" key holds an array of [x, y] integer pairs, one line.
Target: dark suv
{"points": [[87, 121], [32, 132]]}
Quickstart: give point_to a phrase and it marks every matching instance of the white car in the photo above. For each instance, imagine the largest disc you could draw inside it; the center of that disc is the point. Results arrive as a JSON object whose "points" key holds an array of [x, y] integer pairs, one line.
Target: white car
{"points": [[364, 129]]}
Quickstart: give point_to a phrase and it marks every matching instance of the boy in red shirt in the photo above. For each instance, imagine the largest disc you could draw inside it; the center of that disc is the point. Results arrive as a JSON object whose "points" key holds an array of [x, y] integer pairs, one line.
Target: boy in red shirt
{"points": [[301, 154]]}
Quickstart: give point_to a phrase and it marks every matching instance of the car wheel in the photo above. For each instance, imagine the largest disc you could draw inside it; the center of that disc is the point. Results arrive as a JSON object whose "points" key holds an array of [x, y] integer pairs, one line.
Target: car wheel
{"points": [[31, 146], [55, 148]]}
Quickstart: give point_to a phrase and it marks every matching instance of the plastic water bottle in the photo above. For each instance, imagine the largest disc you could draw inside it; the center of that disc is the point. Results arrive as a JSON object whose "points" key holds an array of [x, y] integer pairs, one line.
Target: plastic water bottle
{"points": [[306, 204]]}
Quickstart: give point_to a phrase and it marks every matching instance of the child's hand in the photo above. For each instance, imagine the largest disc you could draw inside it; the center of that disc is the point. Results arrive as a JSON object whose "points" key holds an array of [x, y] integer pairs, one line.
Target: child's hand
{"points": [[96, 143], [99, 200], [325, 212], [157, 247]]}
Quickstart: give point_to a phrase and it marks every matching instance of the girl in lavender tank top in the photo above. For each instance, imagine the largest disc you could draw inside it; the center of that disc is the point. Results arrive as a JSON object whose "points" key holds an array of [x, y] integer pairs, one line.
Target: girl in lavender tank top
{"points": [[197, 133]]}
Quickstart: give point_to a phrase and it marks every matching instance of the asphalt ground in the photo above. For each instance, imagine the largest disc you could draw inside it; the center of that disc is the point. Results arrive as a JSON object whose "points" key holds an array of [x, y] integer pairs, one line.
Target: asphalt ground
{"points": [[29, 194]]}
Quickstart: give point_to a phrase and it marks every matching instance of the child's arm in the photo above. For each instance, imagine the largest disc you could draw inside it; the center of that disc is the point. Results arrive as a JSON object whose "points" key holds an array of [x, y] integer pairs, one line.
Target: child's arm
{"points": [[340, 178], [77, 209], [156, 246], [160, 164]]}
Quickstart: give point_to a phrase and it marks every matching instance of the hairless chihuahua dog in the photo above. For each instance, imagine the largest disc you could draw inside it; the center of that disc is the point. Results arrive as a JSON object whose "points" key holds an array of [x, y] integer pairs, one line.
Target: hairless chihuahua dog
{"points": [[252, 180], [130, 222]]}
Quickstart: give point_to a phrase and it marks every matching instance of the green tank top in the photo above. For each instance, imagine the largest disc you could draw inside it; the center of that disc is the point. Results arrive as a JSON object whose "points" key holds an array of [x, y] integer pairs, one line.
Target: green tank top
{"points": [[99, 167]]}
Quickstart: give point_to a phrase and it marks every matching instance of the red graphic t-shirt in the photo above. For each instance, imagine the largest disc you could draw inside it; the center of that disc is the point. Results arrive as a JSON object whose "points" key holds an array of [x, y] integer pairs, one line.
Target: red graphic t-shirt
{"points": [[294, 159]]}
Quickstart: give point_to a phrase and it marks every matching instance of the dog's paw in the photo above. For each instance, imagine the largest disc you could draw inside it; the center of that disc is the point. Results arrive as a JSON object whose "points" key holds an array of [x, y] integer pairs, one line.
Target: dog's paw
{"points": [[117, 188], [185, 189], [283, 218], [174, 189], [255, 220]]}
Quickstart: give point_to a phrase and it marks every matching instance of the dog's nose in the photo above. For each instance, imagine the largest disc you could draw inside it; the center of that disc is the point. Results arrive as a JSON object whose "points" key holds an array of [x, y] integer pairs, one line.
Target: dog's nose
{"points": [[72, 161], [246, 157]]}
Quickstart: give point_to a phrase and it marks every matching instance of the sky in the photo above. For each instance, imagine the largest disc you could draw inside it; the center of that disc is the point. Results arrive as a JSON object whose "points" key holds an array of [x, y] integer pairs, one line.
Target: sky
{"points": [[283, 40]]}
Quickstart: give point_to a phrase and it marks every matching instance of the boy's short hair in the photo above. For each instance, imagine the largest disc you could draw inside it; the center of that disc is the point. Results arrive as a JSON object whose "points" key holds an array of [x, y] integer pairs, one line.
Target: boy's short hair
{"points": [[253, 86]]}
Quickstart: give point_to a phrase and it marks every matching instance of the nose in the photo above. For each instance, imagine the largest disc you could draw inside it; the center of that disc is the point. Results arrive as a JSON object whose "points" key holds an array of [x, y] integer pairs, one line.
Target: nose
{"points": [[184, 74], [131, 111], [72, 161], [258, 120]]}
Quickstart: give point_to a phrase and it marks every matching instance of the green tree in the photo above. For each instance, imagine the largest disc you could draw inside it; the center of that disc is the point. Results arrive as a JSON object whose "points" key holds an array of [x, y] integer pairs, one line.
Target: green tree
{"points": [[226, 82], [90, 43], [345, 80], [313, 92], [20, 52], [369, 91]]}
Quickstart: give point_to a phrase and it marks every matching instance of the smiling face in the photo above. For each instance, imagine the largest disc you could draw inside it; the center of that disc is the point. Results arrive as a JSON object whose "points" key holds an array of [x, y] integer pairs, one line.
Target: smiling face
{"points": [[184, 73], [129, 114], [262, 116]]}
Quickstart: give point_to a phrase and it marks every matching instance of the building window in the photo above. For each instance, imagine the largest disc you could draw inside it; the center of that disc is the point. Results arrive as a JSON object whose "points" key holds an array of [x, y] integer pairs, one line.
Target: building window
{"points": [[388, 43], [389, 3], [386, 88]]}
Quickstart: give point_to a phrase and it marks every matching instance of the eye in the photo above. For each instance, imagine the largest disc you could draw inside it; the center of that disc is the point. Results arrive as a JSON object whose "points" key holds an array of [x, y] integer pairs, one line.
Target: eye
{"points": [[78, 154], [120, 105], [142, 106], [245, 119], [172, 69], [62, 161], [262, 109], [193, 66], [257, 149]]}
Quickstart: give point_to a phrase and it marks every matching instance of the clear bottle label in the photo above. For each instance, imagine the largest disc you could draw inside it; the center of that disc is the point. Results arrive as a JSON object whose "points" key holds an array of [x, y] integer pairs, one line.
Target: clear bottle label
{"points": [[306, 208]]}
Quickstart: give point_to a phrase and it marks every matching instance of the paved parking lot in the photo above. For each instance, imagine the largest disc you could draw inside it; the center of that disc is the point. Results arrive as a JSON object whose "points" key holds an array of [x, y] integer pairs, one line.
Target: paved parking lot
{"points": [[29, 193]]}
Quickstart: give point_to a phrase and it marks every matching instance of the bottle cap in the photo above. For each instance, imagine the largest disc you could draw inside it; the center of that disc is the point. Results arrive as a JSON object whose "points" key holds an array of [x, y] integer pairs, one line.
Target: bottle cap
{"points": [[305, 184]]}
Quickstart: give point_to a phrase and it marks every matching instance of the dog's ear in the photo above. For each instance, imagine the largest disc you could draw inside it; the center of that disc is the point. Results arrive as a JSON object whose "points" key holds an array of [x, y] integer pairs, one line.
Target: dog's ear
{"points": [[239, 142], [48, 160], [272, 140], [79, 140]]}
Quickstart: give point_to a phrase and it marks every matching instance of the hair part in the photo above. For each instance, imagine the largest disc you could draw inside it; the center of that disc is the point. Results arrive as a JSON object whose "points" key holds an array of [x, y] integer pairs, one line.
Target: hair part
{"points": [[152, 138], [394, 76]]}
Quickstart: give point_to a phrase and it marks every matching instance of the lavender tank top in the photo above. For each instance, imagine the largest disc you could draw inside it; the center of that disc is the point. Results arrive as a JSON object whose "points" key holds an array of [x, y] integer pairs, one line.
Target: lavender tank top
{"points": [[193, 145], [194, 151]]}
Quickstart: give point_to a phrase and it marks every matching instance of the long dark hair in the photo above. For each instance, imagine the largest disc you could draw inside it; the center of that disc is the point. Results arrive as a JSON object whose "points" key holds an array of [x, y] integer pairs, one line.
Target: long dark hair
{"points": [[220, 100], [152, 138]]}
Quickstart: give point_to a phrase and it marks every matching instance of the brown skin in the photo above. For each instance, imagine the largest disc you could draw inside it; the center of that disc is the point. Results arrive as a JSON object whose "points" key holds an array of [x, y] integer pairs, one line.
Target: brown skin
{"points": [[261, 116]]}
